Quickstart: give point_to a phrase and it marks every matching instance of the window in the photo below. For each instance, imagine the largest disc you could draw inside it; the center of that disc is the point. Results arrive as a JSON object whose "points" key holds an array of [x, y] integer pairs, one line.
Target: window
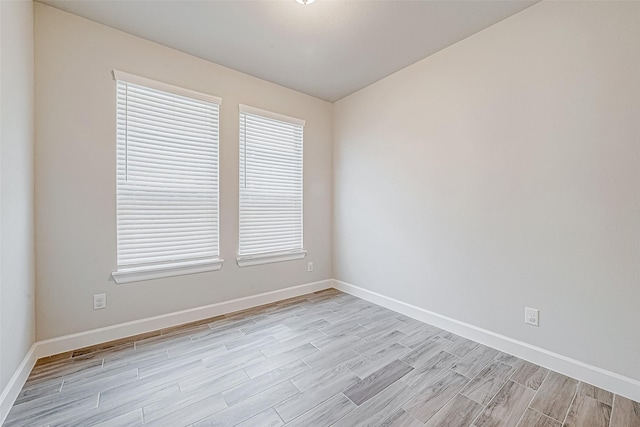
{"points": [[270, 187], [167, 180]]}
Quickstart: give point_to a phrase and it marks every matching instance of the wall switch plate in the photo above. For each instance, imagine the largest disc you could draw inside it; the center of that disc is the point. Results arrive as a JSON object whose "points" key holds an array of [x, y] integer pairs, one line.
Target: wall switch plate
{"points": [[531, 316], [99, 301], [310, 266]]}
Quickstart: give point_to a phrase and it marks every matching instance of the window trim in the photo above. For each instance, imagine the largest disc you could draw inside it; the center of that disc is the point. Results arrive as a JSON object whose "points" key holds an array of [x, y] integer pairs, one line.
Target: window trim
{"points": [[280, 256], [138, 274], [177, 268], [269, 258]]}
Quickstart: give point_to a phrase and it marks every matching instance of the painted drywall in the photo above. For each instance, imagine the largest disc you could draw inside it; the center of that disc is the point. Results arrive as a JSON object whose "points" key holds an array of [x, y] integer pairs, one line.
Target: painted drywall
{"points": [[504, 172], [17, 317], [75, 177]]}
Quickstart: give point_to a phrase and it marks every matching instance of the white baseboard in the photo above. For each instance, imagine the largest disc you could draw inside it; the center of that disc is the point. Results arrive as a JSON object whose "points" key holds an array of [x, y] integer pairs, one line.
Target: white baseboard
{"points": [[97, 336], [15, 384], [599, 377]]}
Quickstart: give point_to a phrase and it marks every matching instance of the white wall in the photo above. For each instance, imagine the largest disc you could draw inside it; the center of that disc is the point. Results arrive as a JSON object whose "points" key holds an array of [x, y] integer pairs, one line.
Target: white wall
{"points": [[17, 319], [503, 172], [75, 177]]}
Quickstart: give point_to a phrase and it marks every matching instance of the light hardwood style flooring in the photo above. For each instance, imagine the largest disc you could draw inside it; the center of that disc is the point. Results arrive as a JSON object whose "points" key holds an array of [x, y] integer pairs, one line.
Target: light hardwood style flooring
{"points": [[322, 359]]}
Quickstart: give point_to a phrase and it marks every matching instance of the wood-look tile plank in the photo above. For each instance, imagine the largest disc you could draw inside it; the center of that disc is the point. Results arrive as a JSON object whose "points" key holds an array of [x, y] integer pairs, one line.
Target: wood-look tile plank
{"points": [[291, 342], [340, 340], [101, 380], [626, 412], [266, 325], [130, 390], [39, 390], [326, 359], [308, 399], [53, 358], [268, 418], [279, 360], [105, 347], [22, 415], [130, 419], [432, 369], [232, 361], [555, 395], [424, 352], [529, 374], [401, 418], [166, 341], [372, 343], [533, 418], [378, 408], [135, 358], [220, 381], [461, 346], [474, 361], [229, 324], [221, 332], [313, 377], [433, 397], [139, 400], [488, 382], [420, 337], [53, 371], [387, 332], [594, 392], [459, 412], [378, 359], [326, 413], [245, 343], [507, 407], [588, 412], [349, 327], [246, 389], [250, 407], [213, 348], [185, 415], [369, 386], [508, 359], [164, 407]]}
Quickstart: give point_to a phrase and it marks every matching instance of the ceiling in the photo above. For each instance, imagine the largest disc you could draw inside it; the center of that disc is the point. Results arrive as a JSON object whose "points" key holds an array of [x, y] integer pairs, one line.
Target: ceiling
{"points": [[327, 49]]}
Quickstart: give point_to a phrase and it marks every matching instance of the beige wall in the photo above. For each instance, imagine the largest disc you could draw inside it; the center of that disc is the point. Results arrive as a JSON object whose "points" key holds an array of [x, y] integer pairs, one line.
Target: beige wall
{"points": [[75, 177], [503, 172], [17, 319]]}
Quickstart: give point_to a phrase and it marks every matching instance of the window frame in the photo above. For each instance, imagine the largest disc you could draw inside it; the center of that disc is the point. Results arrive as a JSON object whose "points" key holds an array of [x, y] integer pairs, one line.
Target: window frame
{"points": [[246, 260], [161, 269]]}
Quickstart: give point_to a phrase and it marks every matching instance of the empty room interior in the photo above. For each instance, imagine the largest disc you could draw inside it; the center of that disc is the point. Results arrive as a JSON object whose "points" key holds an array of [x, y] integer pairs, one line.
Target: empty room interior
{"points": [[319, 213]]}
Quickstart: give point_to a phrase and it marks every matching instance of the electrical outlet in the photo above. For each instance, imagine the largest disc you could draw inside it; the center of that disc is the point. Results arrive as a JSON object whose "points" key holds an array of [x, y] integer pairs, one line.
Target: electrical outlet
{"points": [[310, 266], [99, 301], [531, 316]]}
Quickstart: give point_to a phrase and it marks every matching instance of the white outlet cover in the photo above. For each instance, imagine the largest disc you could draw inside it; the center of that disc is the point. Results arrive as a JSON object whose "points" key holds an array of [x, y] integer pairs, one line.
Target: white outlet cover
{"points": [[310, 266], [531, 316], [99, 301]]}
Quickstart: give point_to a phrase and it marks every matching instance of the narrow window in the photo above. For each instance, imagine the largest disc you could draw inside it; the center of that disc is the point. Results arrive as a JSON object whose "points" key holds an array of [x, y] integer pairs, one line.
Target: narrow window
{"points": [[167, 180], [271, 187]]}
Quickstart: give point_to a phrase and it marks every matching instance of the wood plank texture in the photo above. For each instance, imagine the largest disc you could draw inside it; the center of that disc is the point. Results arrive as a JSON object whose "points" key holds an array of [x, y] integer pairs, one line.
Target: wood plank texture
{"points": [[322, 359], [555, 396]]}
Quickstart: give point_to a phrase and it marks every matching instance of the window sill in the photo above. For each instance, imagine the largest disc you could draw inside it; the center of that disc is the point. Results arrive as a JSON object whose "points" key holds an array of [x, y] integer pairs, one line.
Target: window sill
{"points": [[138, 274], [249, 260]]}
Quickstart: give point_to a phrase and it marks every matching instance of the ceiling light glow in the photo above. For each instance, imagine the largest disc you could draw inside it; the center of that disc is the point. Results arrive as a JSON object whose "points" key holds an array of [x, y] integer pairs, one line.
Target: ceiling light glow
{"points": [[305, 1]]}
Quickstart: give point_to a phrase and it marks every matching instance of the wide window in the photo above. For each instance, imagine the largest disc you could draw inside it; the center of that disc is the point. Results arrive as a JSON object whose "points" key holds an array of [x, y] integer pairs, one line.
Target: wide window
{"points": [[167, 180], [271, 163]]}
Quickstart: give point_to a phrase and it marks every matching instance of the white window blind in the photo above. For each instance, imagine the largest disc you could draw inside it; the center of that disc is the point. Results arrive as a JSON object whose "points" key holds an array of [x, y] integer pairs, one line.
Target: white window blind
{"points": [[167, 180], [271, 196]]}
